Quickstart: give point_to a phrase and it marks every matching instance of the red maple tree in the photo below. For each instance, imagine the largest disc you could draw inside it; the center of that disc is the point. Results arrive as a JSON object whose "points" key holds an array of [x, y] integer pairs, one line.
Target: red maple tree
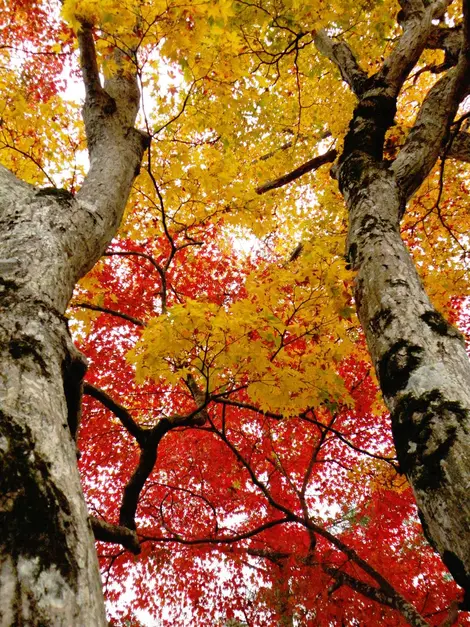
{"points": [[223, 508]]}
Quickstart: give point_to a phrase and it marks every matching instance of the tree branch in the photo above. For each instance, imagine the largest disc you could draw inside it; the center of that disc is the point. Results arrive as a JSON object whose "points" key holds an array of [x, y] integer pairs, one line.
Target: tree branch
{"points": [[111, 312], [200, 417], [228, 540], [425, 141], [405, 54], [452, 615], [10, 183], [459, 148], [375, 112], [303, 416], [309, 166], [127, 421], [115, 147], [149, 443], [342, 56], [132, 253], [148, 440], [106, 532], [90, 73], [393, 600], [447, 39], [276, 557], [147, 459]]}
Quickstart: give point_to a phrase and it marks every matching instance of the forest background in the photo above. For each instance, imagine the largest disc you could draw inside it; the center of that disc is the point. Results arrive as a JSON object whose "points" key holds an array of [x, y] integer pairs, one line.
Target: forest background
{"points": [[235, 453]]}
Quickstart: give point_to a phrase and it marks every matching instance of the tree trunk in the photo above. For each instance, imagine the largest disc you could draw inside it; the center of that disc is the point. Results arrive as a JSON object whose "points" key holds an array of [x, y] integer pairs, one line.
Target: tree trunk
{"points": [[420, 360], [49, 571], [48, 567]]}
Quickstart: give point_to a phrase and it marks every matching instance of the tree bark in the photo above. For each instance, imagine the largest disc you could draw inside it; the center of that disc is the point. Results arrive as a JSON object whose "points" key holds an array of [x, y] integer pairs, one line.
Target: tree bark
{"points": [[420, 359], [49, 571], [422, 365]]}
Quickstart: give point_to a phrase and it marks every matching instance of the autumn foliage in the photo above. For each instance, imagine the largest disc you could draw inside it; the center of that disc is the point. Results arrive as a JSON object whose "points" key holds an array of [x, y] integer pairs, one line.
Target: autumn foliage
{"points": [[230, 398]]}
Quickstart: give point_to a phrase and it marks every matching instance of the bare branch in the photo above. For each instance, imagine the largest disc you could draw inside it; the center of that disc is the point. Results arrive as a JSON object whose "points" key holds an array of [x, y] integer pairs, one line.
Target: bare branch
{"points": [[106, 532], [117, 409], [309, 166], [111, 312], [342, 56]]}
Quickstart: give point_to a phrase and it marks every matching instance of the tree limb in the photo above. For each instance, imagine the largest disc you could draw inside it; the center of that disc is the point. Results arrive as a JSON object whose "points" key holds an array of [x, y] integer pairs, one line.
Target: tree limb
{"points": [[276, 557], [426, 139], [200, 417], [309, 166], [10, 183], [133, 253], [391, 599], [109, 311], [227, 540], [343, 57], [106, 532], [90, 73], [452, 615], [117, 409], [405, 54], [147, 459], [459, 148], [447, 39], [115, 147], [303, 416], [148, 456]]}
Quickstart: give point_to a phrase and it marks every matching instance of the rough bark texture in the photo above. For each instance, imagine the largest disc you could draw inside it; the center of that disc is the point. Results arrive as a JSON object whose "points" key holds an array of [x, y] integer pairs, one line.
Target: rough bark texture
{"points": [[422, 366], [48, 569], [48, 239], [420, 359]]}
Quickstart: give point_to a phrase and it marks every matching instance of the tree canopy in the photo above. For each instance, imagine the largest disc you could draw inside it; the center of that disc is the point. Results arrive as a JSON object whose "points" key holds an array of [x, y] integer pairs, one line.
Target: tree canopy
{"points": [[235, 452]]}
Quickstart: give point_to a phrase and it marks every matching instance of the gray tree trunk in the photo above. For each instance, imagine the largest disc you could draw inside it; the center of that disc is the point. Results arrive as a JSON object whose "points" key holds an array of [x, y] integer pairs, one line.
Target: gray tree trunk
{"points": [[422, 365], [420, 359], [48, 239]]}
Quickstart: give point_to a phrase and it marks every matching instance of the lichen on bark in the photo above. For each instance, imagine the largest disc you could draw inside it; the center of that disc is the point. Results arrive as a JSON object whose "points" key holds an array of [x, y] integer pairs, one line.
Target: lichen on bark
{"points": [[27, 494]]}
